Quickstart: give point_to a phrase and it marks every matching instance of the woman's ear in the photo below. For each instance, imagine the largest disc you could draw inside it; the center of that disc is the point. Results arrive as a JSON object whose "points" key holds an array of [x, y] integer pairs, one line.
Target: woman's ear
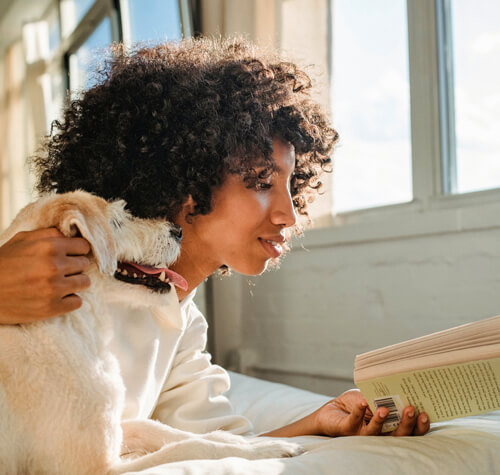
{"points": [[186, 211]]}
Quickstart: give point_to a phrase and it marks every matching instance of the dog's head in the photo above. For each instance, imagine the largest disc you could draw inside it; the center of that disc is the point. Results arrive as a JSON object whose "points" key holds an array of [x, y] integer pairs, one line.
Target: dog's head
{"points": [[130, 256], [145, 248]]}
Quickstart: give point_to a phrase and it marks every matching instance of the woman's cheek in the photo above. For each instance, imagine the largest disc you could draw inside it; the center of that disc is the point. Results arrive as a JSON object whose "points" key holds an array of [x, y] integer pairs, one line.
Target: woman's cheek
{"points": [[263, 201]]}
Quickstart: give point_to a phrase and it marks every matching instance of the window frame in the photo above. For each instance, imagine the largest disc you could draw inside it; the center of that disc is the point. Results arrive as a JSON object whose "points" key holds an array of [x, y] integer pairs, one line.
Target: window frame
{"points": [[433, 210], [187, 23], [117, 11], [84, 29], [58, 61]]}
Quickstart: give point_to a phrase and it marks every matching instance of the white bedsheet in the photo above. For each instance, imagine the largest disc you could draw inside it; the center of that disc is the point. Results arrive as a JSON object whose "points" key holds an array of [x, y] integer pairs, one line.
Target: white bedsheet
{"points": [[463, 446]]}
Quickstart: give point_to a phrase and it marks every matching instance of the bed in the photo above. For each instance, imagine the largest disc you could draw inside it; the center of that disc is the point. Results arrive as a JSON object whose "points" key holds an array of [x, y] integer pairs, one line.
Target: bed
{"points": [[462, 446]]}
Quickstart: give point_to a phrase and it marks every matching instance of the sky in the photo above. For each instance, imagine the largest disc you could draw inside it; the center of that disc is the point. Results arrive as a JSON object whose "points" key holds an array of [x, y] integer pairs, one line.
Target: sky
{"points": [[370, 100], [370, 104], [476, 38]]}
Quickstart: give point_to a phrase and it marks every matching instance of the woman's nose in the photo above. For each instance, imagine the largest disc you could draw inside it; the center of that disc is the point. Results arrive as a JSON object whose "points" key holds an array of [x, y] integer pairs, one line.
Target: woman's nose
{"points": [[283, 213]]}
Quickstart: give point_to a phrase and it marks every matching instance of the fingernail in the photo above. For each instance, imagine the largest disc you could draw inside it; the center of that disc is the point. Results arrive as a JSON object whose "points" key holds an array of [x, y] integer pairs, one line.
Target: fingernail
{"points": [[383, 412], [424, 419], [411, 413]]}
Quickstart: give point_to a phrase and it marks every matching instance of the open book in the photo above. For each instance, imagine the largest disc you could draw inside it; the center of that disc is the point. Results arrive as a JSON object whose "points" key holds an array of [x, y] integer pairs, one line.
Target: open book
{"points": [[448, 374]]}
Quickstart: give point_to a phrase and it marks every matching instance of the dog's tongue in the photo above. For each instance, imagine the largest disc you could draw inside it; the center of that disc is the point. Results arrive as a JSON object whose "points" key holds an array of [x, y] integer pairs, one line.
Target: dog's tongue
{"points": [[175, 278]]}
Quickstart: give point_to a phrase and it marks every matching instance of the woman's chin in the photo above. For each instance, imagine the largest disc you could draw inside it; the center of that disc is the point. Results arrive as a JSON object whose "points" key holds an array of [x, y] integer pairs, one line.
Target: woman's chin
{"points": [[252, 269], [269, 264]]}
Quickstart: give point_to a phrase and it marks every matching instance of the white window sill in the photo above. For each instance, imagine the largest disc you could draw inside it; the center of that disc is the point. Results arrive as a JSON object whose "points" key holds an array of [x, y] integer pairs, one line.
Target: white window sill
{"points": [[439, 215]]}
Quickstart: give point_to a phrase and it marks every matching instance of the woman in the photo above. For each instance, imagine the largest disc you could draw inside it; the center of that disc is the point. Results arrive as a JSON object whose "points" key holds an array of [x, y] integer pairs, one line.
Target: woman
{"points": [[225, 141]]}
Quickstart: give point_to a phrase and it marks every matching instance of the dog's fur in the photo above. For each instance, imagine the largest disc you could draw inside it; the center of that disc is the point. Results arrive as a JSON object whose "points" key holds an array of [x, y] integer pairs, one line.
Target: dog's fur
{"points": [[61, 393]]}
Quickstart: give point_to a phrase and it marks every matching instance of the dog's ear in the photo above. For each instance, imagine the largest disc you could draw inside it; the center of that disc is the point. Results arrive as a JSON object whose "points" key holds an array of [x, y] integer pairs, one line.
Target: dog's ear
{"points": [[91, 223]]}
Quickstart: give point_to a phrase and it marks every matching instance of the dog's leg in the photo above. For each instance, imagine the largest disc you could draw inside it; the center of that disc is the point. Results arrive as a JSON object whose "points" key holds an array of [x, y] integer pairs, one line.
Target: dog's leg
{"points": [[198, 448], [170, 445], [141, 437]]}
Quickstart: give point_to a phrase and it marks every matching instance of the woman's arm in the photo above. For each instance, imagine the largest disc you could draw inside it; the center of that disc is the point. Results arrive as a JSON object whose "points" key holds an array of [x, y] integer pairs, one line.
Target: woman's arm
{"points": [[349, 414], [39, 273]]}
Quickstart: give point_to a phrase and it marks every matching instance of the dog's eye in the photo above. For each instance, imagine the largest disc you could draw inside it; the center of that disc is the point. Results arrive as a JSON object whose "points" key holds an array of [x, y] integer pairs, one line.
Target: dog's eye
{"points": [[116, 223]]}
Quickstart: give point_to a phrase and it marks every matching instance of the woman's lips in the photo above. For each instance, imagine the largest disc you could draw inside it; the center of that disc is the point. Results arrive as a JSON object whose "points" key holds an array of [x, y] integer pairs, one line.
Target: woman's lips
{"points": [[273, 248]]}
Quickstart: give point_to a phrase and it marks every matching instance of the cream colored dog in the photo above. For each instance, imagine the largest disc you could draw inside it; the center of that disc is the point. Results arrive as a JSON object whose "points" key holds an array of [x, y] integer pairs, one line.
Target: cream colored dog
{"points": [[61, 393]]}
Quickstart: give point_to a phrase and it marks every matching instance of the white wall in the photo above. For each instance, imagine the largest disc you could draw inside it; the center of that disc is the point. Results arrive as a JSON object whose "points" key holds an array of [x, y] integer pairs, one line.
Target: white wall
{"points": [[306, 322]]}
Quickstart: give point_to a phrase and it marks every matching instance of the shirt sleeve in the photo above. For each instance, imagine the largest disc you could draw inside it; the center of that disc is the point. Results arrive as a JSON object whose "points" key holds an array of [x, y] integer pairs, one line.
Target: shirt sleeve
{"points": [[192, 397]]}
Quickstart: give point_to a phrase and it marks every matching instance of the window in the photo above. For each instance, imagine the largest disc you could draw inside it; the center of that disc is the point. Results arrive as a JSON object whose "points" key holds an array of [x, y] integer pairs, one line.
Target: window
{"points": [[475, 41], [47, 47], [415, 99], [54, 29], [371, 104], [89, 26], [72, 12], [160, 21], [82, 62]]}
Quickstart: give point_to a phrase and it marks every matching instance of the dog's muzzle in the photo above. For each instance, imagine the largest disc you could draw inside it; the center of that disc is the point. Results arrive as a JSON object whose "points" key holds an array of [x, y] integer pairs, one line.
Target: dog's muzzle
{"points": [[154, 278]]}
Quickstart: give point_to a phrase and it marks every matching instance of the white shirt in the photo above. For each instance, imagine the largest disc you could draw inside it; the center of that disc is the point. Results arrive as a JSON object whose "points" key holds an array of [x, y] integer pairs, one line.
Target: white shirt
{"points": [[167, 375]]}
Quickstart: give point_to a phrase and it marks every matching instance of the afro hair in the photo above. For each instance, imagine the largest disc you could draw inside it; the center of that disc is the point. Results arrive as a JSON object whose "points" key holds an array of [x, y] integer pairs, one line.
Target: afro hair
{"points": [[167, 122]]}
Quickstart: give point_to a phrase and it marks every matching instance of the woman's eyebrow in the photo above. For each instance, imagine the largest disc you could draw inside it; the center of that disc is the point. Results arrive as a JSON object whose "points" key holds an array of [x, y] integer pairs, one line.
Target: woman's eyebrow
{"points": [[275, 170]]}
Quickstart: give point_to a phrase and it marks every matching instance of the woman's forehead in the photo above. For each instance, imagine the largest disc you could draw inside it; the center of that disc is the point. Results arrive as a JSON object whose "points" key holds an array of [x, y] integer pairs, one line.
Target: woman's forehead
{"points": [[283, 156], [281, 161]]}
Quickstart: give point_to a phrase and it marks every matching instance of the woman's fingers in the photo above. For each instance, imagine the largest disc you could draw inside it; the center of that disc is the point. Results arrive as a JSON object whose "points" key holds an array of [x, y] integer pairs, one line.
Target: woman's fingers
{"points": [[407, 424], [423, 425], [374, 427], [76, 246], [412, 424], [355, 420], [40, 272], [68, 304], [76, 283], [74, 265]]}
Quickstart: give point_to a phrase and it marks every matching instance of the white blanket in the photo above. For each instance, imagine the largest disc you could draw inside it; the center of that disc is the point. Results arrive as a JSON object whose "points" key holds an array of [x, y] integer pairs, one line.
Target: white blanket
{"points": [[463, 446]]}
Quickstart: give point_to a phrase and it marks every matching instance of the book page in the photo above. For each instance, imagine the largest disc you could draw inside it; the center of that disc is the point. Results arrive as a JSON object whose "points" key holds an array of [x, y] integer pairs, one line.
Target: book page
{"points": [[405, 365], [464, 337], [443, 392]]}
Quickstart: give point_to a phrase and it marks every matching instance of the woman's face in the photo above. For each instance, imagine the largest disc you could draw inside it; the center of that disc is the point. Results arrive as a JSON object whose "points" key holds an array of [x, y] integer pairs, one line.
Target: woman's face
{"points": [[245, 228]]}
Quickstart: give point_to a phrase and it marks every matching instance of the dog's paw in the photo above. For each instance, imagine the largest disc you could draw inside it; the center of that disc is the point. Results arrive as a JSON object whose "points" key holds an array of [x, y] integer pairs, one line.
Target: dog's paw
{"points": [[274, 449]]}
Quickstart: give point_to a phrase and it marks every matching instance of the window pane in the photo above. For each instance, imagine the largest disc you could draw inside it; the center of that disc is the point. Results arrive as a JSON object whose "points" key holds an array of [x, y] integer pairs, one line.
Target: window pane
{"points": [[155, 20], [83, 61], [54, 29], [82, 7], [476, 48], [72, 11], [371, 104]]}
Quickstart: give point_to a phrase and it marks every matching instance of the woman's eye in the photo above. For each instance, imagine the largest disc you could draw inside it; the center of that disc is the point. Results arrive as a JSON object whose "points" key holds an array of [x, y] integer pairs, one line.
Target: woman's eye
{"points": [[263, 185]]}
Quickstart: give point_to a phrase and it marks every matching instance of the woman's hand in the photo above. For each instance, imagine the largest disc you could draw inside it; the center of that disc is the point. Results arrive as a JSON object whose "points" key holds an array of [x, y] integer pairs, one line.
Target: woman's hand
{"points": [[349, 414], [39, 273]]}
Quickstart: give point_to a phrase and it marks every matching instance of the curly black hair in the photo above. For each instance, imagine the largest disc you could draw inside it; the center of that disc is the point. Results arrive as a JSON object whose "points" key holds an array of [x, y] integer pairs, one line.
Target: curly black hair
{"points": [[169, 121]]}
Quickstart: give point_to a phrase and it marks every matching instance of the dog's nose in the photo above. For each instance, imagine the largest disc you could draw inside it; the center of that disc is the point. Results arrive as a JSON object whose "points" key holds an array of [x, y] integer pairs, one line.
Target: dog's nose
{"points": [[176, 232]]}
